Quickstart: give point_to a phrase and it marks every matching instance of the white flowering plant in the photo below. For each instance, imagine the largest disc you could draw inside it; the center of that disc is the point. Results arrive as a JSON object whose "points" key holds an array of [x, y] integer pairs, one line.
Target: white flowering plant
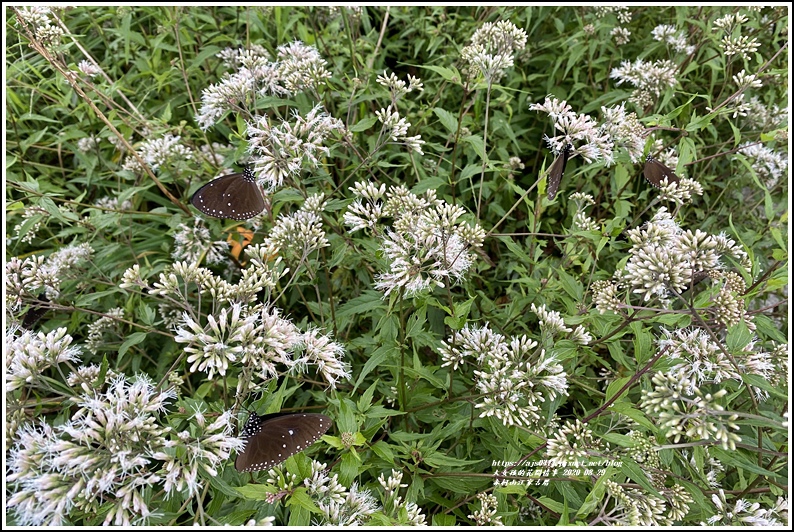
{"points": [[531, 262]]}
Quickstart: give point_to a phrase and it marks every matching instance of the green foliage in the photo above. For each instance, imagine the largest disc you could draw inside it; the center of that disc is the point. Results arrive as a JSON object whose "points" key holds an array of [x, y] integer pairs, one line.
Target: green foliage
{"points": [[405, 407]]}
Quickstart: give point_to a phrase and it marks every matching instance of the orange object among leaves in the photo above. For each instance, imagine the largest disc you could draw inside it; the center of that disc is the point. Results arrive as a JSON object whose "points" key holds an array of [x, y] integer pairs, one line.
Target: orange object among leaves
{"points": [[239, 237]]}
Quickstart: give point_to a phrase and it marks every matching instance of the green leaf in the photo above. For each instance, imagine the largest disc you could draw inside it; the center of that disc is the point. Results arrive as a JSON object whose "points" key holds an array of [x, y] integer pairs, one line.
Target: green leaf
{"points": [[625, 408], [630, 468], [460, 485], [146, 313], [48, 205], [734, 459], [378, 357], [348, 469], [300, 497], [255, 492], [133, 339], [449, 74], [738, 337], [596, 495], [369, 300], [383, 450], [365, 401], [477, 144], [615, 386], [441, 460], [448, 120], [443, 520], [364, 124]]}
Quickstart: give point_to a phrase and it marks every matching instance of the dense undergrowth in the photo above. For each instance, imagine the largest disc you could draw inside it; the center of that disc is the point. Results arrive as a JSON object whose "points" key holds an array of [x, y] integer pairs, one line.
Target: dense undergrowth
{"points": [[488, 352]]}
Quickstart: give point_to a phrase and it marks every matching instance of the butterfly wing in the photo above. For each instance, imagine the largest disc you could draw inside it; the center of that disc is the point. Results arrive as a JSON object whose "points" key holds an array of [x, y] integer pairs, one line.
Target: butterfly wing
{"points": [[556, 172], [35, 312], [273, 438], [232, 196], [655, 172]]}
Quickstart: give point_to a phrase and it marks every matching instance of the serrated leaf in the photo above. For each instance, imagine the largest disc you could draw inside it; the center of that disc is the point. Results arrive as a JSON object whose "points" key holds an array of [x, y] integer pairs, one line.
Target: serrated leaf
{"points": [[48, 205], [448, 120], [383, 450], [367, 301], [477, 144], [449, 74], [300, 498], [348, 468]]}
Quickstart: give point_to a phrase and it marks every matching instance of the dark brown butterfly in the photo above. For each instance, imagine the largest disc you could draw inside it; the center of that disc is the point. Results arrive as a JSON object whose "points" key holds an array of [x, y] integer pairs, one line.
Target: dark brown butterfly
{"points": [[273, 438], [35, 312], [655, 172], [232, 196], [557, 170]]}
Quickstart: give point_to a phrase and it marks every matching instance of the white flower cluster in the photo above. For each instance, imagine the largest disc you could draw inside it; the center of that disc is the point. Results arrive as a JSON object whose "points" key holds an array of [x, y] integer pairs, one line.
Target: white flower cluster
{"points": [[396, 127], [98, 328], [298, 68], [623, 13], [206, 447], [701, 361], [621, 35], [745, 80], [103, 456], [37, 18], [397, 87], [493, 48], [674, 38], [29, 354], [158, 152], [338, 505], [428, 244], [591, 140], [393, 503], [571, 444], [240, 57], [679, 192], [113, 204], [763, 116], [281, 152], [297, 235], [31, 230], [88, 68], [769, 165], [746, 513], [487, 513], [26, 277], [741, 45], [649, 78], [193, 243], [635, 507], [733, 42], [694, 415], [581, 221], [512, 374], [664, 257], [258, 339], [87, 144]]}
